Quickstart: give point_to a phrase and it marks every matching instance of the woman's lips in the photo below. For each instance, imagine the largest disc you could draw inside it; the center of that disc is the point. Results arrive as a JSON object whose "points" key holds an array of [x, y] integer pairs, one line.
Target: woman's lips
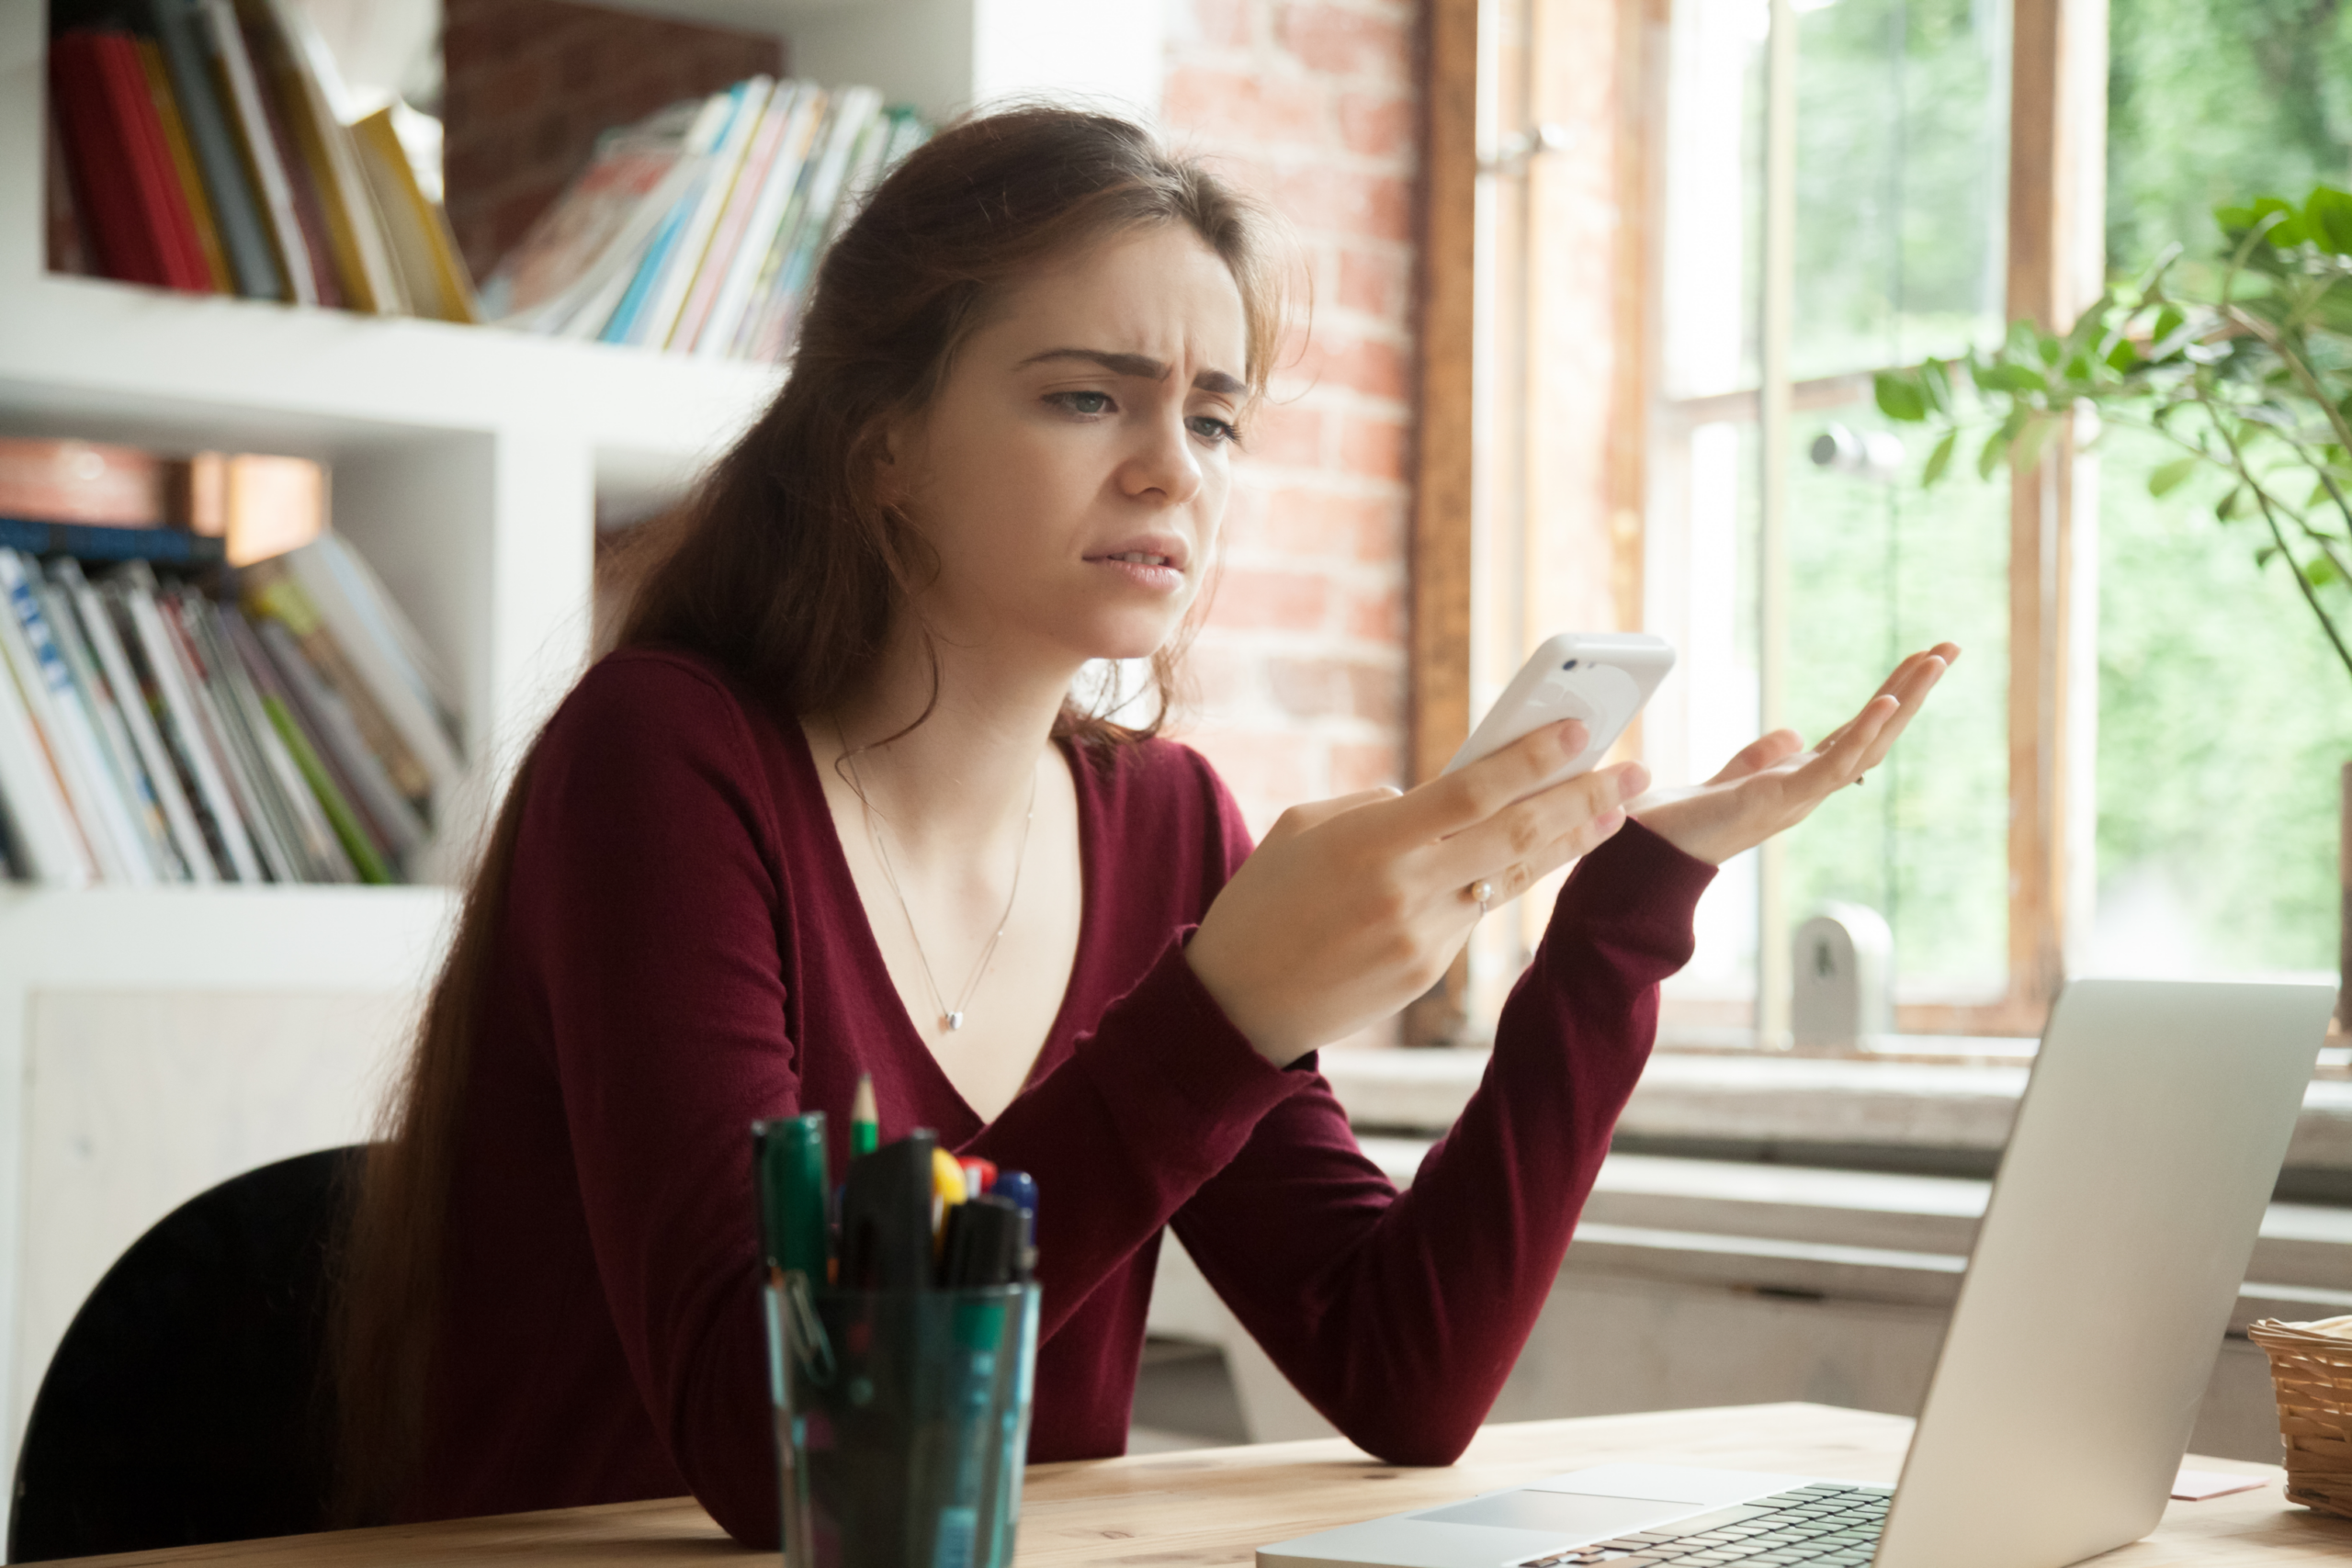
{"points": [[1147, 571]]}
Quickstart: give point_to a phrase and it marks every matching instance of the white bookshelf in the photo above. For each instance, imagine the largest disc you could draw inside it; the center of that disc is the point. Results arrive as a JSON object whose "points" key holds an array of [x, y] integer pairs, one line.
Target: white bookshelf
{"points": [[224, 1027]]}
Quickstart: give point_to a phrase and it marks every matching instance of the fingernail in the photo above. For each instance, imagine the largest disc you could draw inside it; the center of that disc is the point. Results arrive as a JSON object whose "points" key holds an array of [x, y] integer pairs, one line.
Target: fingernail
{"points": [[1575, 736], [1609, 822], [1633, 781]]}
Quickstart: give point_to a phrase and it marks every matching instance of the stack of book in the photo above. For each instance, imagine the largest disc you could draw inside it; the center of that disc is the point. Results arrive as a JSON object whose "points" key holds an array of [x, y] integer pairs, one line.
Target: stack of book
{"points": [[200, 145], [698, 230], [286, 725]]}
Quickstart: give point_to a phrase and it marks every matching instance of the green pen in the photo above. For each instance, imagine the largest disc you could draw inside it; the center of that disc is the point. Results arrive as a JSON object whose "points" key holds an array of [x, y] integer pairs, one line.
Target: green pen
{"points": [[864, 1120], [790, 1156]]}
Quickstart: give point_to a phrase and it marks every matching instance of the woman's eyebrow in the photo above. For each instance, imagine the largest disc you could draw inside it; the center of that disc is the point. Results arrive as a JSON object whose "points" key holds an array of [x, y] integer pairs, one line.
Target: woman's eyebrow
{"points": [[1140, 366]]}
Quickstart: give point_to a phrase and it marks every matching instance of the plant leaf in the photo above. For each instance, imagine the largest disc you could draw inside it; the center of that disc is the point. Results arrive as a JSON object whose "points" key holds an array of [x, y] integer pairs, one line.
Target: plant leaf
{"points": [[1935, 381], [2327, 219], [2026, 455], [1988, 458], [2007, 376], [2230, 504], [1899, 396], [2168, 477], [1939, 459], [2318, 572]]}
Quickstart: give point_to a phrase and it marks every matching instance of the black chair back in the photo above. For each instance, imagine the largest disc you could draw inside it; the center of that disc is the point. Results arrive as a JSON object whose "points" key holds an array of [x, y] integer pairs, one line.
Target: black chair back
{"points": [[184, 1405]]}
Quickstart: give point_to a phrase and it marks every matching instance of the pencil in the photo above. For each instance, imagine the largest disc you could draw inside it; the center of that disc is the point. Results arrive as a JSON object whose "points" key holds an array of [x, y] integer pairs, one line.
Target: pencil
{"points": [[865, 1121]]}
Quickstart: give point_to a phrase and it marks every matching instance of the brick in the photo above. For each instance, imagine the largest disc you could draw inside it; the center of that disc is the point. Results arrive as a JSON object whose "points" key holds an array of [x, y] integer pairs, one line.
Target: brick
{"points": [[1285, 600], [1324, 687], [1288, 433], [1379, 125], [1245, 106], [1361, 766], [1376, 282], [1376, 369], [1339, 41], [1370, 207], [1374, 447], [1268, 772], [1225, 24], [1376, 614], [1304, 520]]}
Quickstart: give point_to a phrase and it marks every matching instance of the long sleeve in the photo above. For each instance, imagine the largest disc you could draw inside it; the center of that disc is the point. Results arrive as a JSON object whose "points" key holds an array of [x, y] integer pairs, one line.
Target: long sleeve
{"points": [[657, 905], [1399, 1316]]}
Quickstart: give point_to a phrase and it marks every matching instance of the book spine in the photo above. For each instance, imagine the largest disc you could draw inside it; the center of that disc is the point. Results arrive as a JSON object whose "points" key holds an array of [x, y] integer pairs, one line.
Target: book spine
{"points": [[85, 541], [799, 121], [392, 820], [57, 710], [133, 698], [319, 144], [735, 217], [98, 152], [237, 767], [294, 811], [47, 842], [162, 205], [380, 615], [378, 666], [179, 31], [183, 163], [199, 752], [125, 774], [366, 858], [271, 592], [266, 168], [750, 105]]}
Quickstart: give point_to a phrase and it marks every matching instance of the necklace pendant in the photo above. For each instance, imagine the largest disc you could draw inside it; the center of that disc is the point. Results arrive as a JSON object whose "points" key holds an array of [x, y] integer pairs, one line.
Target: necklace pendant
{"points": [[955, 1021]]}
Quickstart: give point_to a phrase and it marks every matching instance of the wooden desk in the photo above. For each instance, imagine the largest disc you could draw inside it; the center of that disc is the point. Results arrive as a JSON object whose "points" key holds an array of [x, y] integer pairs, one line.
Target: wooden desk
{"points": [[1215, 1505]]}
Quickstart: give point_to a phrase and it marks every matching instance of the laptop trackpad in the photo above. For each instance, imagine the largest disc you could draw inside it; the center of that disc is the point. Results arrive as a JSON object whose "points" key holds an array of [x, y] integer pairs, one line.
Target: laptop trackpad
{"points": [[1565, 1513]]}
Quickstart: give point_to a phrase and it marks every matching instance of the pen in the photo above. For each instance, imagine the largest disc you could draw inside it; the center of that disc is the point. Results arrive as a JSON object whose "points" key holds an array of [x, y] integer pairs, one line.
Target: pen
{"points": [[1021, 1188], [864, 1120], [792, 1169]]}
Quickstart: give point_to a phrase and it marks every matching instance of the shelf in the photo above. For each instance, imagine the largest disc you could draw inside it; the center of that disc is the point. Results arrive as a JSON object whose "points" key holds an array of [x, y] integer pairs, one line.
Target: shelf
{"points": [[218, 939], [93, 356]]}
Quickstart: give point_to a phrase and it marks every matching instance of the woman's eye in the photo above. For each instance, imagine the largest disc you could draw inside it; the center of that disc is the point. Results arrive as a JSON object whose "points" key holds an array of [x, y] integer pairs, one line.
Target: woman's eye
{"points": [[1208, 427], [1088, 404]]}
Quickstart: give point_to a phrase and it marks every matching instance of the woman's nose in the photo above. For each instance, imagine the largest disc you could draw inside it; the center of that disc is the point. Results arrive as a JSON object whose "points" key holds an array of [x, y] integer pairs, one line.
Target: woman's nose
{"points": [[1165, 462]]}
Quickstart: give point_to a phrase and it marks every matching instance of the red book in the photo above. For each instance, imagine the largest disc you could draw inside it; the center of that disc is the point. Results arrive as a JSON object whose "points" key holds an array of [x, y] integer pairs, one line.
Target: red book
{"points": [[125, 185]]}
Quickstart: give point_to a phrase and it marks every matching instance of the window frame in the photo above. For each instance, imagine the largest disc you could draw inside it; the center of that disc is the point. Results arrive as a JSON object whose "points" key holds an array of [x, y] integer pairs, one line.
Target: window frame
{"points": [[1499, 135]]}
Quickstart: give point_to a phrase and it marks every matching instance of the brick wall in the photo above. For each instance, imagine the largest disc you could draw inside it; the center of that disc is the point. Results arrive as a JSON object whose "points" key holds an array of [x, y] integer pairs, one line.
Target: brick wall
{"points": [[1299, 672], [530, 85]]}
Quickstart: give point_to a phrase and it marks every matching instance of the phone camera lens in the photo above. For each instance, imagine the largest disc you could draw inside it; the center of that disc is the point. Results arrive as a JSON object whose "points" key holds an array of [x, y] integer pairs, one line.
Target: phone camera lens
{"points": [[1569, 665]]}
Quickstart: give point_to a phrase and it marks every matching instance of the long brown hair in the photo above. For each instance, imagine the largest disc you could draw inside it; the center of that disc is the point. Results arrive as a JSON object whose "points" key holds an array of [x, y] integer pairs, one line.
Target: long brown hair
{"points": [[788, 569]]}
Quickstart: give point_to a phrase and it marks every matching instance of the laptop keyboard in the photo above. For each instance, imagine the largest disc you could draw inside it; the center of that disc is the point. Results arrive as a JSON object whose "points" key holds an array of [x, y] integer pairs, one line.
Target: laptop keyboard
{"points": [[1821, 1527]]}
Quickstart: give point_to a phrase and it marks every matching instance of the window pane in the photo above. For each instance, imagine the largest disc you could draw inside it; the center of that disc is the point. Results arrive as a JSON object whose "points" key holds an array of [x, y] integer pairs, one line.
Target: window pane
{"points": [[2222, 718], [1902, 180], [2221, 731], [1878, 569], [1713, 196]]}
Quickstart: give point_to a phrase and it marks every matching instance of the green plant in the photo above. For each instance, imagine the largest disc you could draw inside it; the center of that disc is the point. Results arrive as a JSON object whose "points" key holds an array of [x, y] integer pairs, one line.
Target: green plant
{"points": [[2244, 364]]}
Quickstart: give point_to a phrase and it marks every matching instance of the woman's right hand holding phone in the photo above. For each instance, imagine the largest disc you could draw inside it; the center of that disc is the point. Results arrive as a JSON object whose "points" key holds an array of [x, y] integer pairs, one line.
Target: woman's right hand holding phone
{"points": [[1351, 908]]}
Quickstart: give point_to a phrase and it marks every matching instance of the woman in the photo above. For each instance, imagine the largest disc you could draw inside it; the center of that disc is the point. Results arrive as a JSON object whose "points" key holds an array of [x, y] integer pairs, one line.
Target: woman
{"points": [[832, 810]]}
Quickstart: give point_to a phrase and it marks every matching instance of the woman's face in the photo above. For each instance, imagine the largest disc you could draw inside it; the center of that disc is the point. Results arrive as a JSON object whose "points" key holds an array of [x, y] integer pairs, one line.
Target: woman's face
{"points": [[1072, 471]]}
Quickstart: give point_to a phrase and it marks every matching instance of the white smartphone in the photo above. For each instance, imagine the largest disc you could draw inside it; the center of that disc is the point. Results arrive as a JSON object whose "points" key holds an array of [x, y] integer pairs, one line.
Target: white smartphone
{"points": [[1603, 678]]}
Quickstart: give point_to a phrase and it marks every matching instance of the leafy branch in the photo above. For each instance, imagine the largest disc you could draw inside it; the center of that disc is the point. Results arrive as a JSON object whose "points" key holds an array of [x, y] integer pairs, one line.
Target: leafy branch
{"points": [[2249, 377]]}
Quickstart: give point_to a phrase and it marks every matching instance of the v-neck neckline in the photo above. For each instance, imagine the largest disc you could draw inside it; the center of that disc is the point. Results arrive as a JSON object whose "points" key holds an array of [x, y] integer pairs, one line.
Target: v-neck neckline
{"points": [[869, 947]]}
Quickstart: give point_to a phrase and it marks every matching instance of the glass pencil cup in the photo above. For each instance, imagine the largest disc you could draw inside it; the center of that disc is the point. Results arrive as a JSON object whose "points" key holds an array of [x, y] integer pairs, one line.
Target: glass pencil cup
{"points": [[902, 1422]]}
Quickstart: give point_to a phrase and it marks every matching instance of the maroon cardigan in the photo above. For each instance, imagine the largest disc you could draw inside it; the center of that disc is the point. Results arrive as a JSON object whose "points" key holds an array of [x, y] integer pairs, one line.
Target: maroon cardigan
{"points": [[681, 950]]}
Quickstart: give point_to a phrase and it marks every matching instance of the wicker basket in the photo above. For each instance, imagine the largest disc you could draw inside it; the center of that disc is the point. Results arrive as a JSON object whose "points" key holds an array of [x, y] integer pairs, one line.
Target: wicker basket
{"points": [[2312, 1364]]}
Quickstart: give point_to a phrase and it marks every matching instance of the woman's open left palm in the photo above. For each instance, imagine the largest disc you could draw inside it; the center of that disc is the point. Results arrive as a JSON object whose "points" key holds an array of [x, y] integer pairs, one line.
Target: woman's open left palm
{"points": [[1775, 783]]}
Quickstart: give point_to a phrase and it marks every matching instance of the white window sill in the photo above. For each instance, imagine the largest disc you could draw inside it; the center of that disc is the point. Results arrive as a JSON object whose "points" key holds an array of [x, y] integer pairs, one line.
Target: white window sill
{"points": [[1780, 1107]]}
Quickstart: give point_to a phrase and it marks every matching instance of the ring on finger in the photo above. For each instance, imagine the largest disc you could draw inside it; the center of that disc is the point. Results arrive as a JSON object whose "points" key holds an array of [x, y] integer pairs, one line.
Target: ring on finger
{"points": [[1481, 893]]}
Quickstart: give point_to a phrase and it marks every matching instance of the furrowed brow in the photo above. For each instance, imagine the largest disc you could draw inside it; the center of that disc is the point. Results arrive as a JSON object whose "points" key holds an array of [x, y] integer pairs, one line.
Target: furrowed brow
{"points": [[1140, 366]]}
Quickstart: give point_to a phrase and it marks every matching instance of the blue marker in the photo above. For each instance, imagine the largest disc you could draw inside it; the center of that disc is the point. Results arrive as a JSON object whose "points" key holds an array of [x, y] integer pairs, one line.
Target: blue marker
{"points": [[1022, 1188]]}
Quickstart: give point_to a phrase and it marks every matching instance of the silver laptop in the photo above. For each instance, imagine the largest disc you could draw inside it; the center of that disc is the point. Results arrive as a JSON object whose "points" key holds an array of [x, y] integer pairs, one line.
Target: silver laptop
{"points": [[2103, 1275]]}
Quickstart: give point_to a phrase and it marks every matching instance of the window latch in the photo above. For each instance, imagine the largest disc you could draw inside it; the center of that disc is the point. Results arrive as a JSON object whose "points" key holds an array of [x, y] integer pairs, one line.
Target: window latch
{"points": [[1515, 152]]}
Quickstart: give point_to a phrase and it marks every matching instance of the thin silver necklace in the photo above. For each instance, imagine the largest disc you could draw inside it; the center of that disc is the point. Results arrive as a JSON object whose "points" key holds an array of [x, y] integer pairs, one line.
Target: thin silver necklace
{"points": [[951, 1019]]}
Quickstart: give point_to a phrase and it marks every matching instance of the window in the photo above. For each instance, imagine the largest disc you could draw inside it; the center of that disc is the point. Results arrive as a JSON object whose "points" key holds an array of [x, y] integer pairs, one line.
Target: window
{"points": [[1773, 198]]}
